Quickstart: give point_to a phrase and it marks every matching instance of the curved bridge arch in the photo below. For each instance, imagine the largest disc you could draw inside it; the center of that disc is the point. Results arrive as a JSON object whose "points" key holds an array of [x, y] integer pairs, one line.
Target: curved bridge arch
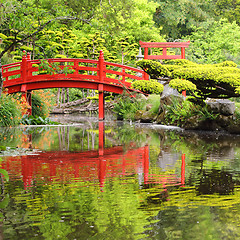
{"points": [[100, 75]]}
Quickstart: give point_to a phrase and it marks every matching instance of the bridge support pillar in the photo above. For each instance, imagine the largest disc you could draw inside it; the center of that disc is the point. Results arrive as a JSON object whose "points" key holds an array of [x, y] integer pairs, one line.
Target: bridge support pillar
{"points": [[101, 103], [28, 96]]}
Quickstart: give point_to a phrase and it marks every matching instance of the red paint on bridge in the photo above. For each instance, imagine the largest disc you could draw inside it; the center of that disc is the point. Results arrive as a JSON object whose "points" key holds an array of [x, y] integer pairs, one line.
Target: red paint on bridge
{"points": [[98, 74]]}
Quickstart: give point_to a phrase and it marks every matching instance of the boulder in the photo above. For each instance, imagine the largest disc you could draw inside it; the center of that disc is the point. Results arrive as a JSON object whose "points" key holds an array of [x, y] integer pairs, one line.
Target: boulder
{"points": [[144, 116], [222, 106], [168, 91]]}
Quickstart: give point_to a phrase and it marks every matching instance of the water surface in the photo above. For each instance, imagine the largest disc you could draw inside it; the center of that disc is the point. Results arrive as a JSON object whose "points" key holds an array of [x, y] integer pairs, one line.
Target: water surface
{"points": [[119, 181]]}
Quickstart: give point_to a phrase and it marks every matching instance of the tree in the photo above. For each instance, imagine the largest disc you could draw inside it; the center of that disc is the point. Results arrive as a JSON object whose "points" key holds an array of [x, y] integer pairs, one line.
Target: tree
{"points": [[201, 80], [228, 9], [177, 18], [20, 22], [214, 42]]}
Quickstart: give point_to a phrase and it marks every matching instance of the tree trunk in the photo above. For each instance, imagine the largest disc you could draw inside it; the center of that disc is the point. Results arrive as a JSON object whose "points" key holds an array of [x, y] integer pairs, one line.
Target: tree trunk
{"points": [[63, 95], [67, 92], [58, 96]]}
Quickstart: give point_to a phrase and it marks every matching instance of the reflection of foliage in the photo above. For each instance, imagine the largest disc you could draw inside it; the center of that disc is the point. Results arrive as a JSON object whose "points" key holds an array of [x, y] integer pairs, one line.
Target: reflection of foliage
{"points": [[58, 211], [215, 181], [4, 197], [127, 134]]}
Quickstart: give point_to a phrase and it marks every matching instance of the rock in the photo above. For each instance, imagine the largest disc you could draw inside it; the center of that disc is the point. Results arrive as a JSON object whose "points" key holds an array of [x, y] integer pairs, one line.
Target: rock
{"points": [[144, 116], [168, 91], [222, 106]]}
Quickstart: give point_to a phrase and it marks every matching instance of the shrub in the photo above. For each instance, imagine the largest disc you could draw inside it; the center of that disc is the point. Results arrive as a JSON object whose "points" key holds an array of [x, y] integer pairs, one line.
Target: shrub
{"points": [[127, 106], [180, 112], [42, 102], [153, 68], [150, 87], [10, 111], [36, 120]]}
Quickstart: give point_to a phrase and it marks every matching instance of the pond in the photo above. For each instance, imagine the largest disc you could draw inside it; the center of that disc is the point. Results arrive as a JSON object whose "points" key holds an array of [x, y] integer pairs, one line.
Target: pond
{"points": [[114, 180]]}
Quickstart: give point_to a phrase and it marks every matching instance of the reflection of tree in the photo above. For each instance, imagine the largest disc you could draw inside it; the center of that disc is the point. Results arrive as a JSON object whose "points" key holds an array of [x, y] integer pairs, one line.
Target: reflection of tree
{"points": [[215, 181]]}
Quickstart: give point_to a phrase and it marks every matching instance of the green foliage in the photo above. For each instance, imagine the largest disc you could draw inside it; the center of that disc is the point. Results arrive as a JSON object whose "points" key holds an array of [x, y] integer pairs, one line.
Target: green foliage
{"points": [[154, 68], [10, 113], [178, 18], [181, 85], [39, 107], [154, 101], [228, 9], [203, 80], [214, 42], [36, 120], [127, 106], [46, 67], [150, 87], [5, 174], [179, 112]]}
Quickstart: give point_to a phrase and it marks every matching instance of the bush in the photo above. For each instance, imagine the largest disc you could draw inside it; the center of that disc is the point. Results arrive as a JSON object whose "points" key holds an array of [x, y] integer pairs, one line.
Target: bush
{"points": [[180, 112], [42, 103], [149, 87], [127, 106], [10, 111], [36, 120]]}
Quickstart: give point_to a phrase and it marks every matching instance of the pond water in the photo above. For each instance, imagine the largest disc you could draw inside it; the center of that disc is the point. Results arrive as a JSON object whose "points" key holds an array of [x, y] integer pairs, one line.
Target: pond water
{"points": [[114, 180]]}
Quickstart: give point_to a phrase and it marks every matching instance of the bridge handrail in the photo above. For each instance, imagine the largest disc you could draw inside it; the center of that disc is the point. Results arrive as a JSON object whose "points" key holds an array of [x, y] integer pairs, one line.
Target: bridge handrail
{"points": [[25, 72]]}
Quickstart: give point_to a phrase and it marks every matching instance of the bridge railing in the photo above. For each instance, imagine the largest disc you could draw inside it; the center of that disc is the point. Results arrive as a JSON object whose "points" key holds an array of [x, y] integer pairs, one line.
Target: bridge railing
{"points": [[99, 71]]}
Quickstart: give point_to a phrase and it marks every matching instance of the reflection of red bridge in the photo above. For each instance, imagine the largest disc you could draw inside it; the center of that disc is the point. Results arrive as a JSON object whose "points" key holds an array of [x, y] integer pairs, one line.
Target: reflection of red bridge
{"points": [[86, 166], [89, 165], [64, 166], [100, 75]]}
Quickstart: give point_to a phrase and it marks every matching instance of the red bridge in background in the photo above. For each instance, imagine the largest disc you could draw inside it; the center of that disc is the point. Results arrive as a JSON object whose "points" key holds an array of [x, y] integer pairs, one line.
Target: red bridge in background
{"points": [[100, 75]]}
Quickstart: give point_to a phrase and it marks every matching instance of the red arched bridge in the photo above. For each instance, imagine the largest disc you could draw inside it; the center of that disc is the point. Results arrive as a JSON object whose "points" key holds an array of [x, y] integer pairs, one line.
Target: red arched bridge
{"points": [[100, 75]]}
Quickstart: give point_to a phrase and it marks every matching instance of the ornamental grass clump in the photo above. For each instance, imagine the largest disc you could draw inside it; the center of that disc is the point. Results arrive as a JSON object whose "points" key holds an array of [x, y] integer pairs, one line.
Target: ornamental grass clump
{"points": [[10, 111], [179, 113]]}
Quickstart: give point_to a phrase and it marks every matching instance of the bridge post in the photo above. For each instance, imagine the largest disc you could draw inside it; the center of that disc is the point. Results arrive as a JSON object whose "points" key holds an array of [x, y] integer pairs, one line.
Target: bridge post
{"points": [[101, 75], [26, 94]]}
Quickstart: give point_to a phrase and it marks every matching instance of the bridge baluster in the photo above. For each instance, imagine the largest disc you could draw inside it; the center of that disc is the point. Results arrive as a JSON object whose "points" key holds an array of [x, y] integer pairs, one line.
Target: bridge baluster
{"points": [[24, 67], [76, 66], [123, 75]]}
